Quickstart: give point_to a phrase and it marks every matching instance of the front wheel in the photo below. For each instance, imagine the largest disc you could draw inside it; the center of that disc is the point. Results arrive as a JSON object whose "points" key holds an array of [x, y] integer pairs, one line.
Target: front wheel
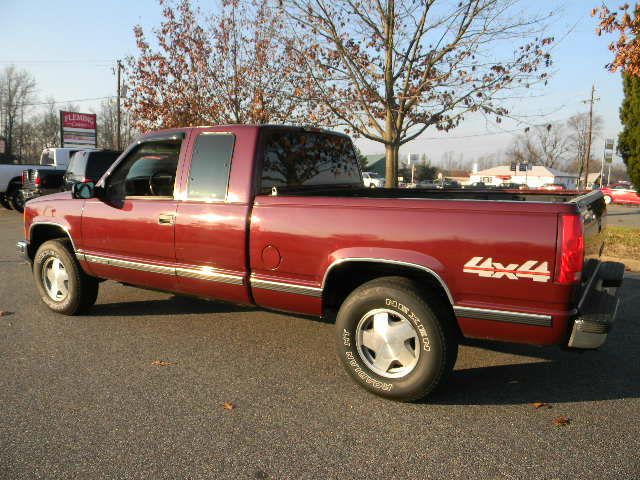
{"points": [[62, 284], [394, 343]]}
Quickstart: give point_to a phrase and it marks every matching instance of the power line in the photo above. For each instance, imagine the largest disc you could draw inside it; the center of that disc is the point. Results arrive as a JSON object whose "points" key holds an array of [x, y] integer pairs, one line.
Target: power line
{"points": [[63, 101], [29, 62]]}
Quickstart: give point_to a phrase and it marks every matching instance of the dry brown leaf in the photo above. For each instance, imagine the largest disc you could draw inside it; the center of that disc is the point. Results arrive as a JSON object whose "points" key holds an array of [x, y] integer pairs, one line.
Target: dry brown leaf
{"points": [[4, 313], [162, 363], [541, 405], [561, 421], [228, 405]]}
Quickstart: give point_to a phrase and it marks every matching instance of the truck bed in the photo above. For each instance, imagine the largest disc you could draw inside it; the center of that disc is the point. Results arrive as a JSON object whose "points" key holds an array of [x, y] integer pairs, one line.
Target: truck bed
{"points": [[544, 196]]}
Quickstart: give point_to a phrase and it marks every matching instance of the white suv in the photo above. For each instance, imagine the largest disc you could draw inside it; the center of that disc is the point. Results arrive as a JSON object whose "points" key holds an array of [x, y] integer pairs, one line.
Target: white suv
{"points": [[372, 180]]}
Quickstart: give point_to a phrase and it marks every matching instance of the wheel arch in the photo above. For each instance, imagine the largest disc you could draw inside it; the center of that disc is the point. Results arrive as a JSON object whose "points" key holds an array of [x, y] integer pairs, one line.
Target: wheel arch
{"points": [[15, 182], [346, 274], [40, 232]]}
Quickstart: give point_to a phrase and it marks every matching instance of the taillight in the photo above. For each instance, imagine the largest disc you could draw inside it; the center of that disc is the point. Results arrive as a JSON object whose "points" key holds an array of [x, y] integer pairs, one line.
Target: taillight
{"points": [[24, 177], [570, 258], [38, 180], [86, 180]]}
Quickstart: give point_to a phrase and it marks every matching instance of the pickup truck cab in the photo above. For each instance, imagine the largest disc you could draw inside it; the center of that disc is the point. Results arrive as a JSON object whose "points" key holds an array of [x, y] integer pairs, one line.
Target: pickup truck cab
{"points": [[278, 217]]}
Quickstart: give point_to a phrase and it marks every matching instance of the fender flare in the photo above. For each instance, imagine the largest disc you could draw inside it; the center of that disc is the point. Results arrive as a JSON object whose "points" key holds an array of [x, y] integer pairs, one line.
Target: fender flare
{"points": [[405, 258]]}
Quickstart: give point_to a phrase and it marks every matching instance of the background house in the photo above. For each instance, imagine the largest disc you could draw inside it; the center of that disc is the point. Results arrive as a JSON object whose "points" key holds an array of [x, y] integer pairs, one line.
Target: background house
{"points": [[534, 177]]}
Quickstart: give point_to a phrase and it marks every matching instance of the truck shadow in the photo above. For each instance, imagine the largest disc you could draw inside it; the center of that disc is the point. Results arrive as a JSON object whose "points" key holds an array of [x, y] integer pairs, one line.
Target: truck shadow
{"points": [[613, 372], [175, 305]]}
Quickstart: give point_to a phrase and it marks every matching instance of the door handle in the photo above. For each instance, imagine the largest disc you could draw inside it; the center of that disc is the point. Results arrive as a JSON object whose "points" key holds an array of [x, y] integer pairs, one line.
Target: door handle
{"points": [[167, 219]]}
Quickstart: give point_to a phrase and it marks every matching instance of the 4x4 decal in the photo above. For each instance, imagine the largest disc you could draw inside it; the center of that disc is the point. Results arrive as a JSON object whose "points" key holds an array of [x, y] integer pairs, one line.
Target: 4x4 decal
{"points": [[486, 267]]}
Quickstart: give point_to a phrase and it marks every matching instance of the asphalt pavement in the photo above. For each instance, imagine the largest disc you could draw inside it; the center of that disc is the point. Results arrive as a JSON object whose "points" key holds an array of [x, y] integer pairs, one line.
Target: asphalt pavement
{"points": [[624, 215], [81, 398]]}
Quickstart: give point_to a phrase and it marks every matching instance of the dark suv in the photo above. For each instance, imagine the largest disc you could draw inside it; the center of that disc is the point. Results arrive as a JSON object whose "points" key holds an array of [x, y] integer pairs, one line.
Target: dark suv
{"points": [[88, 167]]}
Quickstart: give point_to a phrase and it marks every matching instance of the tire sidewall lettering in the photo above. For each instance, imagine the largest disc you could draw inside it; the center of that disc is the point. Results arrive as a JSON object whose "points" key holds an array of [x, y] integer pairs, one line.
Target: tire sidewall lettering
{"points": [[414, 319]]}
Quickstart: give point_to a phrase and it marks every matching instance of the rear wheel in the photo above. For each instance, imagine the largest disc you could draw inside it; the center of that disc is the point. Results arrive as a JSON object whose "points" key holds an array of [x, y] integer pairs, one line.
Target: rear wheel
{"points": [[607, 199], [393, 342], [16, 199], [62, 284], [4, 202]]}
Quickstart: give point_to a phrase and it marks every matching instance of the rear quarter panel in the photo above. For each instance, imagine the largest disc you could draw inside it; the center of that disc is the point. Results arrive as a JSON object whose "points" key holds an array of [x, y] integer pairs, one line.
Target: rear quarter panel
{"points": [[311, 233]]}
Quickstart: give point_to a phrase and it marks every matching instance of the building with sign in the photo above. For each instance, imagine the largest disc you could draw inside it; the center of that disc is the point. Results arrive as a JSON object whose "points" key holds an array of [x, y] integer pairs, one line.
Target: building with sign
{"points": [[534, 176]]}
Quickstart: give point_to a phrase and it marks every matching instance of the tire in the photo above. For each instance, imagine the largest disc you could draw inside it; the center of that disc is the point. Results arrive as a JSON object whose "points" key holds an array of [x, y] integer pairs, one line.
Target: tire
{"points": [[16, 199], [372, 185], [4, 201], [414, 360], [607, 199], [75, 291]]}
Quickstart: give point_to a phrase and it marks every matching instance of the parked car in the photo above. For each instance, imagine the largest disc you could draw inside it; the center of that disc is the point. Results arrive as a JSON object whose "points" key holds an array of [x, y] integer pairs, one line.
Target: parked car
{"points": [[227, 213], [47, 178], [621, 193], [511, 186], [372, 180], [426, 184], [448, 183], [11, 175], [478, 185], [552, 186]]}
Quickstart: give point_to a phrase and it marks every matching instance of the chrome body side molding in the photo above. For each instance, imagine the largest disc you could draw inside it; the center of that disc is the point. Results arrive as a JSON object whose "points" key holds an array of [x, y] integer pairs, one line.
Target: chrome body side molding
{"points": [[206, 273], [201, 273], [504, 316], [286, 287], [392, 262]]}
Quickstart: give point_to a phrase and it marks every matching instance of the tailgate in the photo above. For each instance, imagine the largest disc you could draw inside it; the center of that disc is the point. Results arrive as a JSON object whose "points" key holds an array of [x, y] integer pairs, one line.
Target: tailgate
{"points": [[593, 210]]}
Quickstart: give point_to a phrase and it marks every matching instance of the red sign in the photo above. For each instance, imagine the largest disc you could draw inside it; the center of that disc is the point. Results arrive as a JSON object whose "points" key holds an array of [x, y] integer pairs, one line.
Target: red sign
{"points": [[78, 129], [79, 120]]}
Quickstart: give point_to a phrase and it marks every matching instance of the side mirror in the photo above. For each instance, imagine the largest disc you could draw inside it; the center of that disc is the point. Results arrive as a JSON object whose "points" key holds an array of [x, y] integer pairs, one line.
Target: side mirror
{"points": [[83, 190]]}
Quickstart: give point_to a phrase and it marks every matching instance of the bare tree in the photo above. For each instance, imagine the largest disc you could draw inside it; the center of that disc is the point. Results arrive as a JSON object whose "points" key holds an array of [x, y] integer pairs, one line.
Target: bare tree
{"points": [[388, 70], [17, 88], [578, 126], [107, 119], [545, 145]]}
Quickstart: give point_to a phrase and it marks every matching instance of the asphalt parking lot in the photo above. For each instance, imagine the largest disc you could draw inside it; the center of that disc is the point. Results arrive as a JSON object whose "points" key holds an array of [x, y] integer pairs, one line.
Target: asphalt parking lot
{"points": [[624, 215], [80, 397]]}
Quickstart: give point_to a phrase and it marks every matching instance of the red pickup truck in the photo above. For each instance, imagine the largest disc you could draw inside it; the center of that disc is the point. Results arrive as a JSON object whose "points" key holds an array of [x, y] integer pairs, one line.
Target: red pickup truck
{"points": [[278, 217]]}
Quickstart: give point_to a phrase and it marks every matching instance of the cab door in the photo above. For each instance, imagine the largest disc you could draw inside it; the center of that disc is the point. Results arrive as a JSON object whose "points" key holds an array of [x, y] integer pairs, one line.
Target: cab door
{"points": [[211, 225], [128, 234]]}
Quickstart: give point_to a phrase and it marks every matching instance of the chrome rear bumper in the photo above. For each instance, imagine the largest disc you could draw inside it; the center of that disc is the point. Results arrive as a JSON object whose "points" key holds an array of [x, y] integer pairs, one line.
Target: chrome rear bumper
{"points": [[23, 250], [598, 308]]}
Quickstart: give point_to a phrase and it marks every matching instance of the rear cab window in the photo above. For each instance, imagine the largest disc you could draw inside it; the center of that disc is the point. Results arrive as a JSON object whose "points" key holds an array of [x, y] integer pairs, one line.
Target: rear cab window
{"points": [[210, 166], [296, 158]]}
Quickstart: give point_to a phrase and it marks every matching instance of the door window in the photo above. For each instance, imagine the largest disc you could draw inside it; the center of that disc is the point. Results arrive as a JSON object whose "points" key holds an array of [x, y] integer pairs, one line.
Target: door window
{"points": [[148, 171], [210, 164]]}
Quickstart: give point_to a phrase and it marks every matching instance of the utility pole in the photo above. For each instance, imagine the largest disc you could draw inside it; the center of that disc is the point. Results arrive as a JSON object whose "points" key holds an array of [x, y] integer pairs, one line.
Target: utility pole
{"points": [[118, 107], [590, 137]]}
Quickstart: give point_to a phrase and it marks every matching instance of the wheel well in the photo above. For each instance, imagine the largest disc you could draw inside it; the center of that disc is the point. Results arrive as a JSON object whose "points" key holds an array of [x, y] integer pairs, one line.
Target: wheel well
{"points": [[44, 233], [345, 278], [14, 182]]}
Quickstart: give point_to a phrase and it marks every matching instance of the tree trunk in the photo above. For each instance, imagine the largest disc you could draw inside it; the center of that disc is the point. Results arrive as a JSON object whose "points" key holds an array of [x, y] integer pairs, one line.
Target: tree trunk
{"points": [[391, 152]]}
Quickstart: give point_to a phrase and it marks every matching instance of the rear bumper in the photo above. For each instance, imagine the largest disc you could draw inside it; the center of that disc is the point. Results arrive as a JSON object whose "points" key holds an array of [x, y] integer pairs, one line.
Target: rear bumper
{"points": [[598, 307], [23, 250], [29, 194]]}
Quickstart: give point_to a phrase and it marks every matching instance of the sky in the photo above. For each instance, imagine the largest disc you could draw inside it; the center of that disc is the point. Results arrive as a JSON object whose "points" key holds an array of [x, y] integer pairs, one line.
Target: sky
{"points": [[71, 48]]}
